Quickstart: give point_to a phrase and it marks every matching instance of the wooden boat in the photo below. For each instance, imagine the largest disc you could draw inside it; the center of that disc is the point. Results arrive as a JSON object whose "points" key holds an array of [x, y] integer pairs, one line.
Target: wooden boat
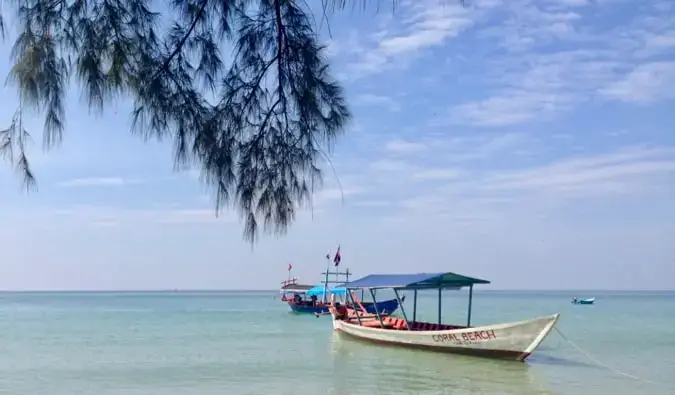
{"points": [[319, 307], [291, 287], [513, 340], [307, 299], [583, 301]]}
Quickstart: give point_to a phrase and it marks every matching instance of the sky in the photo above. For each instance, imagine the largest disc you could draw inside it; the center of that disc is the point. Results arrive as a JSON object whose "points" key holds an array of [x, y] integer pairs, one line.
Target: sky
{"points": [[530, 143]]}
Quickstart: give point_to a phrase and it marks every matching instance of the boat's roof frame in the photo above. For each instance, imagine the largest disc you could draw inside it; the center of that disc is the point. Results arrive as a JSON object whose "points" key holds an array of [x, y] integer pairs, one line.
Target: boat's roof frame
{"points": [[298, 288], [443, 280]]}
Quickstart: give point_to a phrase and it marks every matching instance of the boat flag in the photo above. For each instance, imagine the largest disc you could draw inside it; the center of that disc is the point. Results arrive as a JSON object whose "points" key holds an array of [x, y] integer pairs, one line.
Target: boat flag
{"points": [[290, 267], [338, 257]]}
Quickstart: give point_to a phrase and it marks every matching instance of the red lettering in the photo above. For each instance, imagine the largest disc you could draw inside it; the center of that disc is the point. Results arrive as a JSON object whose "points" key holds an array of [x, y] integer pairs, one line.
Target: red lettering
{"points": [[465, 337], [476, 336], [445, 337]]}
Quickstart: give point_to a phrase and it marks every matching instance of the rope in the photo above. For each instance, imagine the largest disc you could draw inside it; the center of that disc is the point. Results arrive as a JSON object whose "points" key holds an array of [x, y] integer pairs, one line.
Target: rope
{"points": [[599, 363]]}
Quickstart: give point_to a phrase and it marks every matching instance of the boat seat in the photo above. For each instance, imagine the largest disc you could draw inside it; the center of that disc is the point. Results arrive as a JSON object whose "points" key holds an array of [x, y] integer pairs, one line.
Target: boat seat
{"points": [[399, 323], [395, 322], [424, 326], [375, 324]]}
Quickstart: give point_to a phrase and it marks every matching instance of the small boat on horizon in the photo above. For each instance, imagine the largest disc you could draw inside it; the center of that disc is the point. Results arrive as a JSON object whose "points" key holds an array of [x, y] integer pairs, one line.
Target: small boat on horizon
{"points": [[583, 301], [512, 340]]}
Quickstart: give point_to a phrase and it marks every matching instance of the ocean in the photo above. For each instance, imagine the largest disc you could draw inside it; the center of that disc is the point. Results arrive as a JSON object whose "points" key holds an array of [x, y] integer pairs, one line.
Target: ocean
{"points": [[204, 343]]}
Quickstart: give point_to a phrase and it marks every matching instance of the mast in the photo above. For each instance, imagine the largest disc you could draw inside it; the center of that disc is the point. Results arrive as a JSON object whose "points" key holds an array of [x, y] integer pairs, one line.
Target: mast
{"points": [[325, 282], [337, 274]]}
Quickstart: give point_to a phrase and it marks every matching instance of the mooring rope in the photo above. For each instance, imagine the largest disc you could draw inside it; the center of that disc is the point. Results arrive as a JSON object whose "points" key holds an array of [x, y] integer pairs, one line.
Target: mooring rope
{"points": [[604, 365]]}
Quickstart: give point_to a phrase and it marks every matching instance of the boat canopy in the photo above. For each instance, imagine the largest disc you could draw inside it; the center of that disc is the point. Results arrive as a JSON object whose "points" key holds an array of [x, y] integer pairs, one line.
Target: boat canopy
{"points": [[319, 291], [297, 288], [445, 280]]}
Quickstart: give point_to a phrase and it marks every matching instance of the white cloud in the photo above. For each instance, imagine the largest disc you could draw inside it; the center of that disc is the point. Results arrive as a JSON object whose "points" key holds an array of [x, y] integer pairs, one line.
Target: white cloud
{"points": [[509, 108], [388, 165], [110, 216], [533, 75], [444, 159], [426, 24], [437, 174], [401, 146], [98, 181], [329, 195], [471, 196], [368, 99], [646, 83], [570, 3], [548, 179], [481, 146], [536, 86], [373, 203], [191, 216], [619, 166], [657, 43]]}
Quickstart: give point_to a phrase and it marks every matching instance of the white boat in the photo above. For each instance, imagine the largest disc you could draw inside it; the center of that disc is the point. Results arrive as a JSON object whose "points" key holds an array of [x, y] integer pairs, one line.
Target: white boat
{"points": [[513, 340]]}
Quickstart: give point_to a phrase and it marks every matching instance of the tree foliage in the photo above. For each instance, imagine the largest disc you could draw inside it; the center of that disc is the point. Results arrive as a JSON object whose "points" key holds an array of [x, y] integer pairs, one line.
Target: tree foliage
{"points": [[256, 126]]}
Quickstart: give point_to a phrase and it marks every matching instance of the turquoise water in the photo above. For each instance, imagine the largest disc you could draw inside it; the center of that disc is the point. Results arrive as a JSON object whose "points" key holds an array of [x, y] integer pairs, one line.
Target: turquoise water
{"points": [[248, 343]]}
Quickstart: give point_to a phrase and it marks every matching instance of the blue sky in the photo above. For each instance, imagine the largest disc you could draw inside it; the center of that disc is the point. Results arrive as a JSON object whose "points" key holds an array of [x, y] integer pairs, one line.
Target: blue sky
{"points": [[531, 143]]}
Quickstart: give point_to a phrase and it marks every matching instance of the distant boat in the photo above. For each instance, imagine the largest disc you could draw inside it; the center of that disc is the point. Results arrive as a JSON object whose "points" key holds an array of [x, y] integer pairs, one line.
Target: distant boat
{"points": [[308, 299], [291, 287], [319, 307], [583, 301]]}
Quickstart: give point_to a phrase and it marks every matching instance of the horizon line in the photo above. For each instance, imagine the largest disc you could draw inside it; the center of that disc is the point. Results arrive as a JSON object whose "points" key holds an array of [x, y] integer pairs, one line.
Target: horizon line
{"points": [[179, 290]]}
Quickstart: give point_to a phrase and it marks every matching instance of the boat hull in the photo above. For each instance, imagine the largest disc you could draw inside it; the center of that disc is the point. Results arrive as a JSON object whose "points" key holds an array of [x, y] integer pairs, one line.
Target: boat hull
{"points": [[584, 301], [515, 340], [386, 306]]}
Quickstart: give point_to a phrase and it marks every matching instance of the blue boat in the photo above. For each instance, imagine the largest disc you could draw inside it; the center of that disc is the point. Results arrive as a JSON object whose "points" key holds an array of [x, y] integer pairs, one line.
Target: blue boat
{"points": [[315, 303], [583, 301], [316, 300]]}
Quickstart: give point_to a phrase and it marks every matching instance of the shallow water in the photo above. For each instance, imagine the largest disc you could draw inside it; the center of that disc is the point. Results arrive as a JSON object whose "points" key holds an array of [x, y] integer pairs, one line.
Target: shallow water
{"points": [[248, 343]]}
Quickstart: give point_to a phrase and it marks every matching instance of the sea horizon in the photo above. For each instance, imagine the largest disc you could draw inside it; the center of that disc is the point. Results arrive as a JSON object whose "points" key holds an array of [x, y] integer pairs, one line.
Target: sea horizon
{"points": [[207, 290]]}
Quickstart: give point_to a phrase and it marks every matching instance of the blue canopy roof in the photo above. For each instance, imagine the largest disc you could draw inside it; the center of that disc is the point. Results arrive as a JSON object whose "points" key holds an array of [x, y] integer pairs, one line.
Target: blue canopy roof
{"points": [[319, 291], [414, 281]]}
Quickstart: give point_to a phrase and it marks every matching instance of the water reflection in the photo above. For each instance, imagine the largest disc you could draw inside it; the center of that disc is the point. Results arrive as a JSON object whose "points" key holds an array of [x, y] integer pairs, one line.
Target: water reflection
{"points": [[361, 367], [547, 359]]}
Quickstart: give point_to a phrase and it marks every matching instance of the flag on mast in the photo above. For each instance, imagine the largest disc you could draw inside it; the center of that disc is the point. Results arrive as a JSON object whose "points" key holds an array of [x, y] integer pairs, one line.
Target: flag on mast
{"points": [[290, 267], [338, 257]]}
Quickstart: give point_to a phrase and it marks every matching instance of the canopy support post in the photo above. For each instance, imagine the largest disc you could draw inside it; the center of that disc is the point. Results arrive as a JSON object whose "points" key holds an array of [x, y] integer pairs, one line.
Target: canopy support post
{"points": [[415, 305], [440, 297], [400, 305], [351, 296], [468, 319], [377, 311]]}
